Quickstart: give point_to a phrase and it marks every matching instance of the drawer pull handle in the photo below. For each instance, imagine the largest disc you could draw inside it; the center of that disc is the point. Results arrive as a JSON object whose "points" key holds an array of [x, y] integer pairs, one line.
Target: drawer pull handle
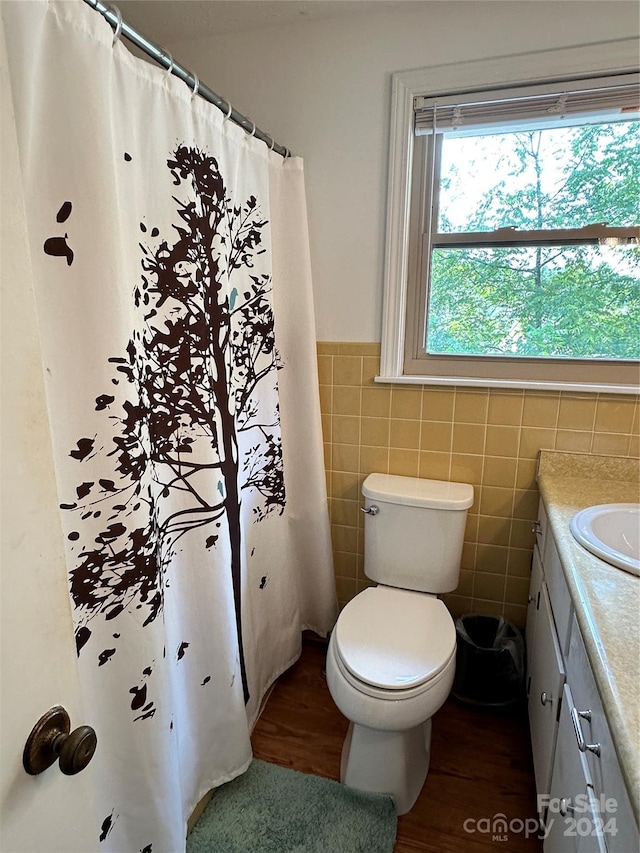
{"points": [[583, 746], [565, 808], [545, 699]]}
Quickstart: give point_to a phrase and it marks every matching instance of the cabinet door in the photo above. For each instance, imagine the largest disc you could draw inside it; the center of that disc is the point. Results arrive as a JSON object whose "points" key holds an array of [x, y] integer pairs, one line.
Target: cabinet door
{"points": [[533, 604], [572, 822], [545, 692], [592, 831]]}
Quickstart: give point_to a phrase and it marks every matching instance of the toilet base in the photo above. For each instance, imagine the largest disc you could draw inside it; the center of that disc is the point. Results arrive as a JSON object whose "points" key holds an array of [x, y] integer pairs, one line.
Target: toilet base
{"points": [[384, 762]]}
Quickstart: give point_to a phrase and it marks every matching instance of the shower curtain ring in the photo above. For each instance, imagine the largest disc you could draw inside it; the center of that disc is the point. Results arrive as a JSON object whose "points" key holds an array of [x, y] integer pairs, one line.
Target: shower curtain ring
{"points": [[172, 64], [253, 128], [229, 110], [273, 143], [196, 86], [118, 29]]}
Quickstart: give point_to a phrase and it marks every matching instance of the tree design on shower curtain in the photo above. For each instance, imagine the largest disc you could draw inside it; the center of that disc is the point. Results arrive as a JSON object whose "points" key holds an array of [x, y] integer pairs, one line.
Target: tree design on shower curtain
{"points": [[200, 423]]}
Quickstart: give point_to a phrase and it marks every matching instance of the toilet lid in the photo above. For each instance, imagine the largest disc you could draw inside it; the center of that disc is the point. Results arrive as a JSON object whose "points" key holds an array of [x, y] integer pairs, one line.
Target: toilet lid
{"points": [[395, 639]]}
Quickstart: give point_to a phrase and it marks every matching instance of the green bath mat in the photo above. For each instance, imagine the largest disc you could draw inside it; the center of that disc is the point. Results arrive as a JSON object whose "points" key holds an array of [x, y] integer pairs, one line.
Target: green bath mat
{"points": [[270, 809]]}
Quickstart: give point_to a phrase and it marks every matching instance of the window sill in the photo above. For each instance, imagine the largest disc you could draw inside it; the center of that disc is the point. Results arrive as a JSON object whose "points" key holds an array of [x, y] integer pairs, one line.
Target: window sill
{"points": [[520, 384]]}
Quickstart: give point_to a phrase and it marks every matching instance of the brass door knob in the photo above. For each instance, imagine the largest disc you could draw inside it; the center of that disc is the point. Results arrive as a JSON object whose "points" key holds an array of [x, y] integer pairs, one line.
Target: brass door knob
{"points": [[51, 739]]}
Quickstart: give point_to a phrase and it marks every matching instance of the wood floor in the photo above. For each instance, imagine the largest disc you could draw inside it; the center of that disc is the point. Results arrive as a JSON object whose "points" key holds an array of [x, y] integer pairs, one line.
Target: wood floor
{"points": [[480, 763]]}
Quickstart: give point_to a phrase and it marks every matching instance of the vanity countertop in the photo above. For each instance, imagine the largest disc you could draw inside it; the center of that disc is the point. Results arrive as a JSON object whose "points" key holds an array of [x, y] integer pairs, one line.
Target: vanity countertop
{"points": [[606, 600]]}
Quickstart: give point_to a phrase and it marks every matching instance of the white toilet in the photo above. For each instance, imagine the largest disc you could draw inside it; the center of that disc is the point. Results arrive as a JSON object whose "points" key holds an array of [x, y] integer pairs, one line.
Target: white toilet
{"points": [[392, 653]]}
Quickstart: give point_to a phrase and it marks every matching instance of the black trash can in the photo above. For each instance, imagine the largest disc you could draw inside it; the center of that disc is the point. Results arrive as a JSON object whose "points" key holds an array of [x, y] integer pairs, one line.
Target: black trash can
{"points": [[489, 661]]}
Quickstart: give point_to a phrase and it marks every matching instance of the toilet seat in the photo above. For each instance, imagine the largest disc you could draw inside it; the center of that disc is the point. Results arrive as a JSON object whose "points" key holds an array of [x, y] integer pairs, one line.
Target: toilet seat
{"points": [[393, 643]]}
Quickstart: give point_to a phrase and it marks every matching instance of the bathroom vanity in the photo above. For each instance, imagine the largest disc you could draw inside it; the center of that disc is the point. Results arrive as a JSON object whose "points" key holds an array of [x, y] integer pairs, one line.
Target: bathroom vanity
{"points": [[583, 664]]}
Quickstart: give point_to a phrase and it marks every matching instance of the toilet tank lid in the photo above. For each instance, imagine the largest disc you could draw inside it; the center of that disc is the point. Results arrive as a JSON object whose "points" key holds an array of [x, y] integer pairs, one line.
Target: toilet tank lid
{"points": [[412, 491]]}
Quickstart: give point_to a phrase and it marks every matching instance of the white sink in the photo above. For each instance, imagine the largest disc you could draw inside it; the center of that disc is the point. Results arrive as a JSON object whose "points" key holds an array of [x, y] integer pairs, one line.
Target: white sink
{"points": [[611, 532]]}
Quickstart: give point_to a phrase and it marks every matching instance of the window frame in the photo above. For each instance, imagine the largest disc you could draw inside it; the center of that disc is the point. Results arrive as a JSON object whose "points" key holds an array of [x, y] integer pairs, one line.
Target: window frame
{"points": [[403, 308]]}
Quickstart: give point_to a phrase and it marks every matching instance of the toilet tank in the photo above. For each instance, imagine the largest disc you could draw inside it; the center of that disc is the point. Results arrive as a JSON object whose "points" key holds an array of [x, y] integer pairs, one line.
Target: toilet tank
{"points": [[414, 540]]}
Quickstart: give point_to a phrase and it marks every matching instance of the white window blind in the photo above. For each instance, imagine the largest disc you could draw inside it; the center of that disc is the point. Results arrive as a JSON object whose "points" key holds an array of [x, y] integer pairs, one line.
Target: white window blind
{"points": [[557, 104]]}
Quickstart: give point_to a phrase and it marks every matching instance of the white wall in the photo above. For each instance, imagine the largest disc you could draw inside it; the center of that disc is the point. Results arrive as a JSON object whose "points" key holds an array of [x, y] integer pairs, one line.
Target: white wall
{"points": [[322, 87]]}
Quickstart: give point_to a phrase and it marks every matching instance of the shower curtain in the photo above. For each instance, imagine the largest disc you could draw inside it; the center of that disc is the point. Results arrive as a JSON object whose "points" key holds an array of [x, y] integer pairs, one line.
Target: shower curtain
{"points": [[171, 264]]}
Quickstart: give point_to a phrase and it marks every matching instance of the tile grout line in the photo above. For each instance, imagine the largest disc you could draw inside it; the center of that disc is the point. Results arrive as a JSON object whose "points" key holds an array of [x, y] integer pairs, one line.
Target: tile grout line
{"points": [[513, 503]]}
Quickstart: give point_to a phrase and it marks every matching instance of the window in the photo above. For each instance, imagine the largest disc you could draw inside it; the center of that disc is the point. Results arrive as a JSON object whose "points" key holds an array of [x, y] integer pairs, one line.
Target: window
{"points": [[520, 262]]}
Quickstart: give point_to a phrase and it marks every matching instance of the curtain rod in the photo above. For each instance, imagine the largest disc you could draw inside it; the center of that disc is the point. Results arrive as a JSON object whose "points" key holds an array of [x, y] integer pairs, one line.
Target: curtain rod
{"points": [[113, 15]]}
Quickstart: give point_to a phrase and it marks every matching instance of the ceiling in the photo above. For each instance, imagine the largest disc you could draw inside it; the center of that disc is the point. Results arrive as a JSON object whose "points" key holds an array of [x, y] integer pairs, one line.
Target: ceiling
{"points": [[168, 21]]}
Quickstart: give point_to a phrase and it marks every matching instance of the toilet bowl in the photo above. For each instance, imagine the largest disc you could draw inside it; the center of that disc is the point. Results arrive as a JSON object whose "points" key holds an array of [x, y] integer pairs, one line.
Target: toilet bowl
{"points": [[391, 656], [390, 667]]}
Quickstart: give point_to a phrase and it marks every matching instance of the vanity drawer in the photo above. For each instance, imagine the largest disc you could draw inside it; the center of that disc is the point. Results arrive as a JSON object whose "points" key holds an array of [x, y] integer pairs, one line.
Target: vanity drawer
{"points": [[540, 528], [558, 593], [533, 605], [604, 767], [573, 820]]}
